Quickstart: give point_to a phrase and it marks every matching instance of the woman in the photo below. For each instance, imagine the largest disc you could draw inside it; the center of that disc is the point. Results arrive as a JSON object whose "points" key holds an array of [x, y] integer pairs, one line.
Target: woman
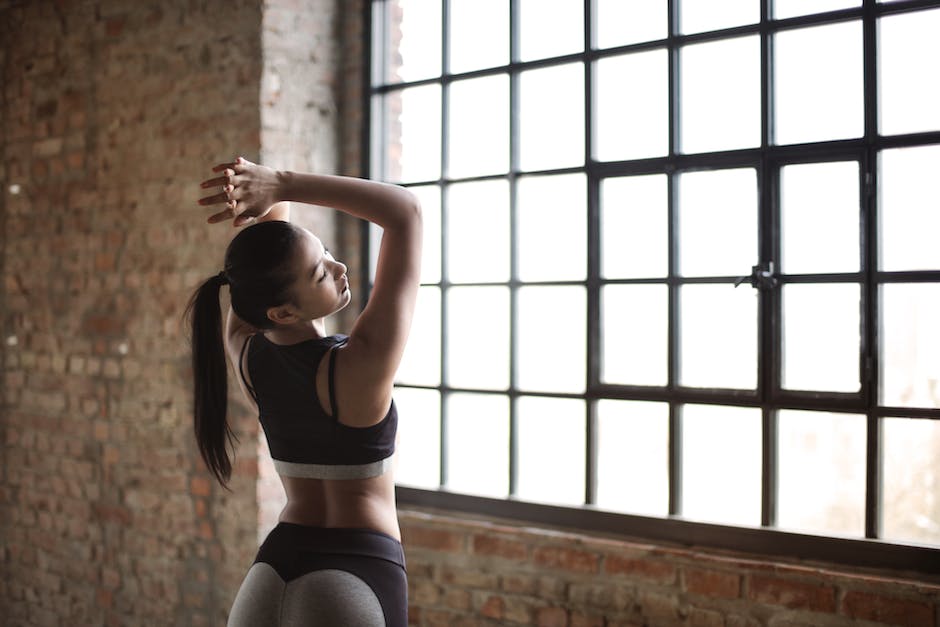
{"points": [[324, 402]]}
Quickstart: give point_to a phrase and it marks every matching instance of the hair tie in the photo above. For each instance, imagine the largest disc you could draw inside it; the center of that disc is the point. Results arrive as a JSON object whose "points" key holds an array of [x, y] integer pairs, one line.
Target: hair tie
{"points": [[221, 276]]}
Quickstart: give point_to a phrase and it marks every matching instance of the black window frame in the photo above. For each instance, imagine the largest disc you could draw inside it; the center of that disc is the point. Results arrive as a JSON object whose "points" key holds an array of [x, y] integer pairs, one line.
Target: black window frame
{"points": [[767, 160]]}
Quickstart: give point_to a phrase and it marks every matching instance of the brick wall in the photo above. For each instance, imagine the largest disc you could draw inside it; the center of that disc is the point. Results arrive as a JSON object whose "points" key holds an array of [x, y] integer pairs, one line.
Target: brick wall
{"points": [[477, 571], [111, 113]]}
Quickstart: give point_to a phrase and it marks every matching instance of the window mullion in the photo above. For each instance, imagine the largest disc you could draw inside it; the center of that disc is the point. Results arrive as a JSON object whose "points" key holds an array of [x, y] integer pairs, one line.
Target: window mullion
{"points": [[445, 143], [869, 371], [513, 252], [675, 410]]}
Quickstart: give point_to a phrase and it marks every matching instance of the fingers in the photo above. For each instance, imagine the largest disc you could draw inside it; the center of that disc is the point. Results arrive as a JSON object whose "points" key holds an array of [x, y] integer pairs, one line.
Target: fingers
{"points": [[233, 165], [214, 200], [216, 182], [221, 216], [227, 182]]}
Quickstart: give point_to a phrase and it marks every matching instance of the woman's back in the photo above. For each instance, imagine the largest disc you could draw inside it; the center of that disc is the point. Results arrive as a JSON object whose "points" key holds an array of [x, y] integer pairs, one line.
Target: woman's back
{"points": [[335, 474]]}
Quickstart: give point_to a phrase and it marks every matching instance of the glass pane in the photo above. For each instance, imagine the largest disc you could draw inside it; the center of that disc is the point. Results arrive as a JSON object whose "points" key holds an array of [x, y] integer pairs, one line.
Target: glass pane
{"points": [[910, 335], [818, 75], [720, 103], [550, 28], [717, 222], [430, 198], [910, 219], [634, 334], [790, 8], [552, 233], [470, 362], [478, 429], [551, 348], [908, 91], [412, 38], [721, 464], [632, 100], [418, 452], [718, 336], [696, 16], [633, 457], [420, 365], [819, 217], [821, 337], [412, 132], [551, 117], [468, 20], [634, 227], [551, 450], [620, 23], [911, 472], [475, 148], [478, 231], [821, 472]]}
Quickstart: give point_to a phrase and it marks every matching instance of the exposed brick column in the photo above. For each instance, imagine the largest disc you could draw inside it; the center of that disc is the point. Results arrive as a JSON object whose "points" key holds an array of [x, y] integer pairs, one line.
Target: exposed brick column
{"points": [[112, 110]]}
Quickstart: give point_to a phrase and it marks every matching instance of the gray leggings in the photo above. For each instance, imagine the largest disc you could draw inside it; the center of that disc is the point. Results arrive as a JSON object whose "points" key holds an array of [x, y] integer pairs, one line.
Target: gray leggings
{"points": [[315, 576]]}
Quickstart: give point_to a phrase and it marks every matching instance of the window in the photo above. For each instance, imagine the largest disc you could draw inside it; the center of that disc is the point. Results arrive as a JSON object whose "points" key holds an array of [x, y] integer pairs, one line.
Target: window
{"points": [[681, 276]]}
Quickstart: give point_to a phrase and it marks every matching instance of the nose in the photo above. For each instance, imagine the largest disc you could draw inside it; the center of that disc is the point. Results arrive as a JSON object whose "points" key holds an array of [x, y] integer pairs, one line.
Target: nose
{"points": [[340, 269]]}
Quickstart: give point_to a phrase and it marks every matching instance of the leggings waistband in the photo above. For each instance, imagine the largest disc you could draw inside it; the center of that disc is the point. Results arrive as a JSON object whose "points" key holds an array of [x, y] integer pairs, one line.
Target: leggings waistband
{"points": [[289, 538]]}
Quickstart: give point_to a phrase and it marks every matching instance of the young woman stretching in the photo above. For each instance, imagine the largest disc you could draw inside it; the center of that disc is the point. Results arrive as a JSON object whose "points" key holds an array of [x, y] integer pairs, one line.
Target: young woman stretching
{"points": [[324, 402]]}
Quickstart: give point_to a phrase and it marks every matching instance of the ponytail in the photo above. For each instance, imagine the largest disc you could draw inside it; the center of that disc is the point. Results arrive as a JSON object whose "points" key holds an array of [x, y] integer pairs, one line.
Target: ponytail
{"points": [[210, 375]]}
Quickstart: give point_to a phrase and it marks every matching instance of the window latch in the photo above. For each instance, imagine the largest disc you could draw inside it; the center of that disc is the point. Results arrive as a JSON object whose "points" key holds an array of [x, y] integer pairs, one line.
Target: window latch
{"points": [[760, 278]]}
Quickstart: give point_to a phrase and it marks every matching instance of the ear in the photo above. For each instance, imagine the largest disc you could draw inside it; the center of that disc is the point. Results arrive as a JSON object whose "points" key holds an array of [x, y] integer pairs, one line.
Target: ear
{"points": [[282, 314]]}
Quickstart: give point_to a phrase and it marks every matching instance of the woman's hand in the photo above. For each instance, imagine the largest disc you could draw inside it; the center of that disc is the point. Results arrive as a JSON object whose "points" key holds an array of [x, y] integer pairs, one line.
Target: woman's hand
{"points": [[248, 191]]}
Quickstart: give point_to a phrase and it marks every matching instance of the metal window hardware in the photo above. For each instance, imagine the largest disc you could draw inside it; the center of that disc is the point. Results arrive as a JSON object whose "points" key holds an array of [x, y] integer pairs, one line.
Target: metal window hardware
{"points": [[760, 278]]}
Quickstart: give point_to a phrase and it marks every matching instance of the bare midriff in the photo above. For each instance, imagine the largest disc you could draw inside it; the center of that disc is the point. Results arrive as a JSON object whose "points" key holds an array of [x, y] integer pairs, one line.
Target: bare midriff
{"points": [[349, 503]]}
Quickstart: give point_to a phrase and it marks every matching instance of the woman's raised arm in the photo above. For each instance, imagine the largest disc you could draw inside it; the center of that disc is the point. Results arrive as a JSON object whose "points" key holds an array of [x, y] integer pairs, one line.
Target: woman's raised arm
{"points": [[377, 340]]}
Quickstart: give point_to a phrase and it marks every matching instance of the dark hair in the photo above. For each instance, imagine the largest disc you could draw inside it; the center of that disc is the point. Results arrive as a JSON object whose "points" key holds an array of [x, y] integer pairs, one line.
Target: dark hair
{"points": [[257, 271]]}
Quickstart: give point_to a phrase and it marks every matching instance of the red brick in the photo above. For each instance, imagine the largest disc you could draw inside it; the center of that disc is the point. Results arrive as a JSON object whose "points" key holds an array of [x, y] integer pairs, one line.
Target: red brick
{"points": [[102, 324], [587, 620], [653, 570], [712, 583], [499, 547], [493, 607], [200, 486], [792, 594], [114, 26], [551, 617], [434, 539], [571, 560], [884, 609], [104, 598]]}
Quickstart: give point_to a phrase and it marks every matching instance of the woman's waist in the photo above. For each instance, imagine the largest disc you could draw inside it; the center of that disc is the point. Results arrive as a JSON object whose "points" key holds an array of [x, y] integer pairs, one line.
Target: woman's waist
{"points": [[359, 504]]}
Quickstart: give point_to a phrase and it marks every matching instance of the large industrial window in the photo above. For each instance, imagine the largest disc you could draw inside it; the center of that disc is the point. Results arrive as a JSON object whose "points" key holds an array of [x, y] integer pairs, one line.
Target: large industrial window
{"points": [[682, 266]]}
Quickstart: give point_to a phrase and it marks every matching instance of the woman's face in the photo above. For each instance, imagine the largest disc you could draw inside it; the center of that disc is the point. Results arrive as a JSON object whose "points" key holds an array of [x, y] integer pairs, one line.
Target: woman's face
{"points": [[321, 286]]}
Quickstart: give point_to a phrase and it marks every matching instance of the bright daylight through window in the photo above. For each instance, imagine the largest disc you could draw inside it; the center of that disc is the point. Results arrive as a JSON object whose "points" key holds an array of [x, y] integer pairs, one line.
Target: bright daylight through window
{"points": [[680, 257]]}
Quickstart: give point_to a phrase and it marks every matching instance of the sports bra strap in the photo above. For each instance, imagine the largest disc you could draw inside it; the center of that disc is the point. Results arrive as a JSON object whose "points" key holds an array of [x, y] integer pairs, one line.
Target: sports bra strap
{"points": [[241, 368], [332, 370]]}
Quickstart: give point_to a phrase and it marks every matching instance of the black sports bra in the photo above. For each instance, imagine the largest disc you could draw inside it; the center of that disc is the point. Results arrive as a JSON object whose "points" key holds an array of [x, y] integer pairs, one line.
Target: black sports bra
{"points": [[303, 439]]}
